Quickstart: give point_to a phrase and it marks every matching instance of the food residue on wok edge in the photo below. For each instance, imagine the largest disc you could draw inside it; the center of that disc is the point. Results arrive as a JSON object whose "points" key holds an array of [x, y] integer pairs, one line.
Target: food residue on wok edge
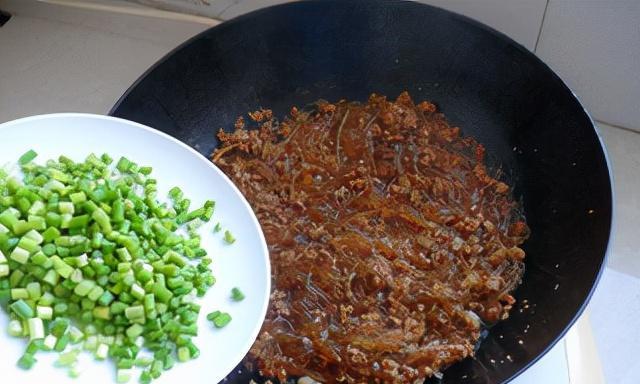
{"points": [[390, 241]]}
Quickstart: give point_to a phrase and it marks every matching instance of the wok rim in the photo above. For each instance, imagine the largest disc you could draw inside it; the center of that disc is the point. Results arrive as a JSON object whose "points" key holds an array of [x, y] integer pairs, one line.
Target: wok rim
{"points": [[495, 34]]}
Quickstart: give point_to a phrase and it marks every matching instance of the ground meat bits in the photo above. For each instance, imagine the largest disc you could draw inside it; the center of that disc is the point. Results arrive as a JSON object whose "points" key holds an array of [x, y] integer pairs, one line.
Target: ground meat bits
{"points": [[389, 239]]}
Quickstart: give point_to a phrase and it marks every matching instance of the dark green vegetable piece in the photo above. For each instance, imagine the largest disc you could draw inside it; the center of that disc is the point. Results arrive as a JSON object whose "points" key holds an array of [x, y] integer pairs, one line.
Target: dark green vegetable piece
{"points": [[236, 294], [211, 316], [27, 361], [27, 157], [219, 319]]}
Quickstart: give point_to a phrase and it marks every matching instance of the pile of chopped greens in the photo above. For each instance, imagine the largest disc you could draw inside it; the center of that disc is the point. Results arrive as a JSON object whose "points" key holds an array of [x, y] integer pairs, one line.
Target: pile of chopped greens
{"points": [[91, 260]]}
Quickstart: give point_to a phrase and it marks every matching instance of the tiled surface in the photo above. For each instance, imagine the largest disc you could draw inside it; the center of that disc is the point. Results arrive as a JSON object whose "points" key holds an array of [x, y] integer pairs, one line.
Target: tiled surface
{"points": [[615, 310], [76, 60], [595, 47], [239, 7], [518, 19], [624, 154], [158, 32], [196, 7], [219, 9]]}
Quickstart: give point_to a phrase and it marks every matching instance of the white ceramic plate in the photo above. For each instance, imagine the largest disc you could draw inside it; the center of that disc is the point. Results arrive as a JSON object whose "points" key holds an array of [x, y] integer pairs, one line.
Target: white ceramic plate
{"points": [[244, 264]]}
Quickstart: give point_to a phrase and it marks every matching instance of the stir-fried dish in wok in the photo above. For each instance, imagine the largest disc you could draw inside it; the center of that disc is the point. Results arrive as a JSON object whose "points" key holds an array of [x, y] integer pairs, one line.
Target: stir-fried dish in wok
{"points": [[392, 244]]}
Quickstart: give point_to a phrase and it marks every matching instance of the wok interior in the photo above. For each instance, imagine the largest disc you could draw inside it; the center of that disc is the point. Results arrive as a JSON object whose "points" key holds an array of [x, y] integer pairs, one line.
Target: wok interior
{"points": [[533, 127]]}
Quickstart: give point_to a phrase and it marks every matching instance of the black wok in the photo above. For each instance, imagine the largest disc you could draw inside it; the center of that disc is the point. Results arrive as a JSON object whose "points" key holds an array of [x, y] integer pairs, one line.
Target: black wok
{"points": [[495, 90]]}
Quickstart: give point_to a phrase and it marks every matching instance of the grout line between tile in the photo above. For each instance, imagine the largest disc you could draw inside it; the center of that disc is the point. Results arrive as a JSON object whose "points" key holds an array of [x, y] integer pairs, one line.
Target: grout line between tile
{"points": [[144, 12], [618, 126], [94, 29], [221, 13], [544, 14]]}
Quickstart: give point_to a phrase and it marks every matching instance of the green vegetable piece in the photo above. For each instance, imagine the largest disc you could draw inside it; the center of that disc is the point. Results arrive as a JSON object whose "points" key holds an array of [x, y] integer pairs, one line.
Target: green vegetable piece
{"points": [[22, 309], [67, 359], [27, 157], [236, 294], [219, 319], [228, 237], [183, 354], [27, 361], [222, 320]]}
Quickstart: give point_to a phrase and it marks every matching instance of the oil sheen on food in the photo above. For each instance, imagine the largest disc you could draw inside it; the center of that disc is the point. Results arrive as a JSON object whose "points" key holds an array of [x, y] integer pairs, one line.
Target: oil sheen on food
{"points": [[391, 242]]}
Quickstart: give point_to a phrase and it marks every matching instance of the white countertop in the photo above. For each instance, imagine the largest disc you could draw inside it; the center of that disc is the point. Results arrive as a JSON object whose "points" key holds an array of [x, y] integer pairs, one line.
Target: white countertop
{"points": [[55, 58]]}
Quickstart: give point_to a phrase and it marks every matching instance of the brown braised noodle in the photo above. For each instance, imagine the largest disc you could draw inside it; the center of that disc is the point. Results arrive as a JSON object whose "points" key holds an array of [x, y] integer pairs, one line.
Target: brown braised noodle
{"points": [[389, 239]]}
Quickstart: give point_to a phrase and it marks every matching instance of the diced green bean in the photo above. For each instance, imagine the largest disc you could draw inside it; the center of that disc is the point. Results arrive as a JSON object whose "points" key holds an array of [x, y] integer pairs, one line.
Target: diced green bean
{"points": [[219, 319], [46, 299], [4, 270], [67, 359], [102, 351], [62, 343], [134, 312], [20, 255], [83, 288], [228, 237], [15, 328], [236, 294], [27, 361], [19, 293], [78, 197], [27, 157], [49, 342], [36, 328], [134, 331], [103, 220], [22, 309]]}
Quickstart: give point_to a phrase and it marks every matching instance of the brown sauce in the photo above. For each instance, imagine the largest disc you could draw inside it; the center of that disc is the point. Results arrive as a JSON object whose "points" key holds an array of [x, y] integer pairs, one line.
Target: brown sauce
{"points": [[389, 239]]}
